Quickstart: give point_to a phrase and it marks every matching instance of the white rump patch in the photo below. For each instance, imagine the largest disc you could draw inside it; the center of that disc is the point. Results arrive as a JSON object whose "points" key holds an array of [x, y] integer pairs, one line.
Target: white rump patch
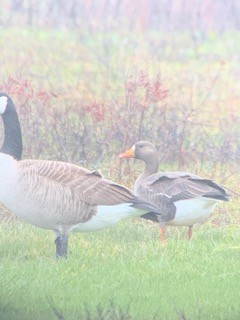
{"points": [[3, 104]]}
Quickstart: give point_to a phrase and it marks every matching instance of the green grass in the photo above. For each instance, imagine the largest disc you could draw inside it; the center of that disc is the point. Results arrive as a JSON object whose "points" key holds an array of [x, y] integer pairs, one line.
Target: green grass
{"points": [[125, 264]]}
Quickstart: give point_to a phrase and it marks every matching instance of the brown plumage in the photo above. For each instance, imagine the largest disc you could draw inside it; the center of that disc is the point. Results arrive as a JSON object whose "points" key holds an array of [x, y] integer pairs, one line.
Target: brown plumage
{"points": [[56, 186], [188, 198], [56, 195]]}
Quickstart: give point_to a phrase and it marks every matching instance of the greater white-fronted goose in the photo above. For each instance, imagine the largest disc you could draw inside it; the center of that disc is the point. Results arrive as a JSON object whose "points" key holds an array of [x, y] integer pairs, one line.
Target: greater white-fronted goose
{"points": [[191, 199], [56, 195]]}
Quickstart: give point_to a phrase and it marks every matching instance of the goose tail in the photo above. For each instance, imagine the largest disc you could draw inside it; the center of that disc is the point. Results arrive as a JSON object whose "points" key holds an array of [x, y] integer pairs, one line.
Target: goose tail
{"points": [[158, 207]]}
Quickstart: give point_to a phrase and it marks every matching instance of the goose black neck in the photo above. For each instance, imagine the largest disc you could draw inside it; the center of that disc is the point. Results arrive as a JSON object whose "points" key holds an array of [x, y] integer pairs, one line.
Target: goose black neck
{"points": [[12, 143]]}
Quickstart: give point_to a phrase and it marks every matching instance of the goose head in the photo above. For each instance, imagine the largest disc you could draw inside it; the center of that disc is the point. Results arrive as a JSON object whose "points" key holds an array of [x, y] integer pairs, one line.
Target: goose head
{"points": [[142, 150], [145, 151]]}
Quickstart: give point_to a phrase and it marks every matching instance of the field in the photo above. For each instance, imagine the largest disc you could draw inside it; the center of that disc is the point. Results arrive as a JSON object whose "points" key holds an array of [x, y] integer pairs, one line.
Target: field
{"points": [[123, 272], [84, 97]]}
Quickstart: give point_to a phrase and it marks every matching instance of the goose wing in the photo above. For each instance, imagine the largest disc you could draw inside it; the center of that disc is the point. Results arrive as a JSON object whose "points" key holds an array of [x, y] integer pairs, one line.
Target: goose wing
{"points": [[164, 189], [182, 186], [64, 193], [89, 186]]}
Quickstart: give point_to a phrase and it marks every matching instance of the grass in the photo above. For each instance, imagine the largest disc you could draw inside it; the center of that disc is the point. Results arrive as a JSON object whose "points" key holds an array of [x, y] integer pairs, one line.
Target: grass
{"points": [[126, 265]]}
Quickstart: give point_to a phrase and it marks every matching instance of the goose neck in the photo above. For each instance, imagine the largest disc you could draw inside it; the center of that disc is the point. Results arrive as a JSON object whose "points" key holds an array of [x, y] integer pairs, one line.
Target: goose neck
{"points": [[151, 166], [12, 143]]}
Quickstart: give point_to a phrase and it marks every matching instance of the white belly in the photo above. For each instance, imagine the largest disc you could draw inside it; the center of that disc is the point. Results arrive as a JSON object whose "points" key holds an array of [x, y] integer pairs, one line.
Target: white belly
{"points": [[192, 211], [107, 216]]}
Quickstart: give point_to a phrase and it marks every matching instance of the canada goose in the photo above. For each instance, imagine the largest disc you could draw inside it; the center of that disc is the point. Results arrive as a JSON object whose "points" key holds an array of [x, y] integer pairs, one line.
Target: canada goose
{"points": [[192, 198], [56, 195]]}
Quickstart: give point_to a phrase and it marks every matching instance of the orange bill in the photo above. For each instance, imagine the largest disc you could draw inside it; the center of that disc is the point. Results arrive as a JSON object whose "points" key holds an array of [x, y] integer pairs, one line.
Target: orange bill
{"points": [[127, 154]]}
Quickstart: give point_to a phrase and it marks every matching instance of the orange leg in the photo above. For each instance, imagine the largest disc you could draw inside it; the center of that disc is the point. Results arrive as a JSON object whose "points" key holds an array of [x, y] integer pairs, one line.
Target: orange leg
{"points": [[163, 235], [190, 232]]}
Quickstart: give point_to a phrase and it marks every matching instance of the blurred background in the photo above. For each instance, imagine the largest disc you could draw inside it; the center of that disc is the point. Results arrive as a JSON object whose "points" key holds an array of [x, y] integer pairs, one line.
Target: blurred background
{"points": [[108, 15], [90, 78]]}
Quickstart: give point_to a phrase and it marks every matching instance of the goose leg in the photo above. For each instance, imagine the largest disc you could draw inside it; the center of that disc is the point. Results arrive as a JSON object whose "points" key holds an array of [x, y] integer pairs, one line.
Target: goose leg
{"points": [[163, 235], [61, 246], [190, 232]]}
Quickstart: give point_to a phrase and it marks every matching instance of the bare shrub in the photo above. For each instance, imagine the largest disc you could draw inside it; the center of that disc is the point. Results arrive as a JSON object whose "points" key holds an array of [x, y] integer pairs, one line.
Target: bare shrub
{"points": [[92, 133]]}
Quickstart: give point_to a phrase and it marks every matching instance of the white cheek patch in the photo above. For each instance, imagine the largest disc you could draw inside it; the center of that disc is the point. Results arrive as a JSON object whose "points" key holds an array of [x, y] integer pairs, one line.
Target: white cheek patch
{"points": [[3, 104], [133, 147]]}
